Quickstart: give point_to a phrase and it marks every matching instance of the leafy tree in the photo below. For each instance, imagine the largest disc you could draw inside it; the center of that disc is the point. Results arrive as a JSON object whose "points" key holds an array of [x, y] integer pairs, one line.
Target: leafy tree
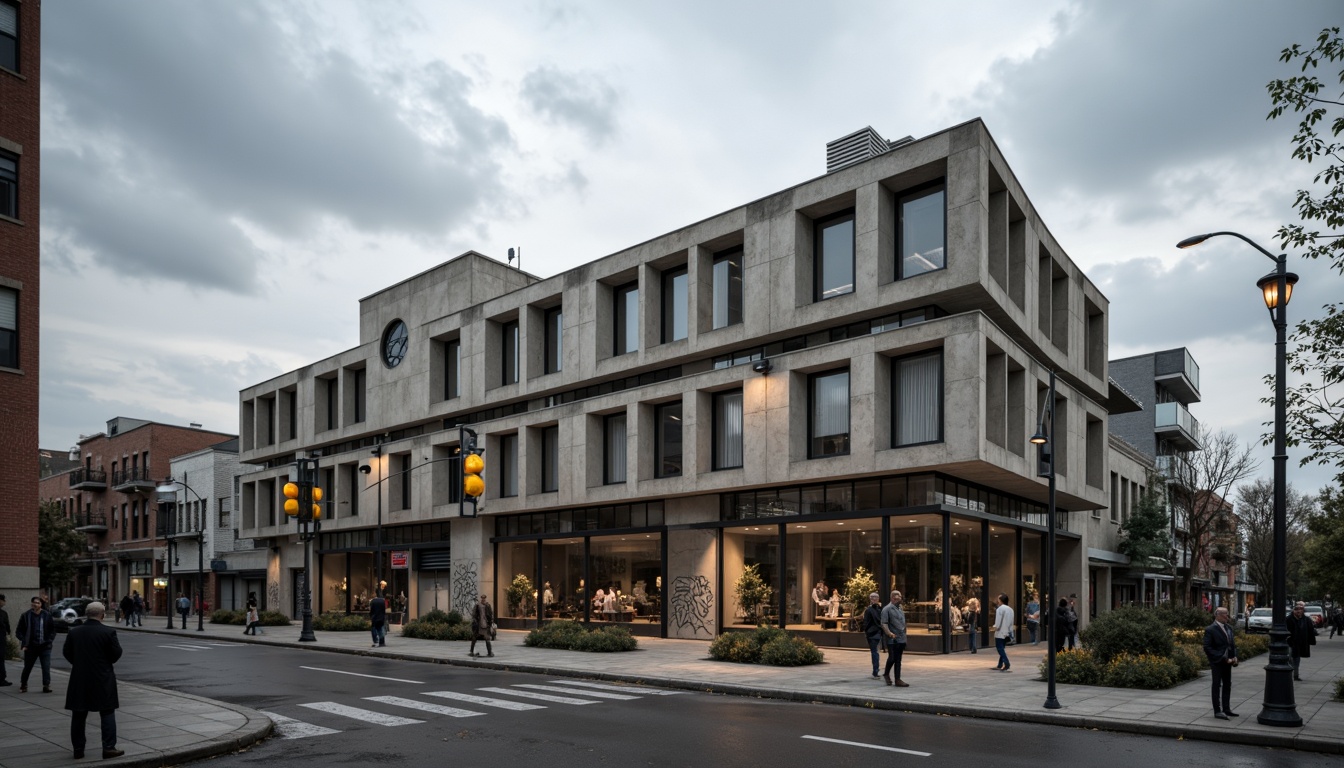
{"points": [[1316, 406], [1255, 517], [58, 545], [751, 592], [1323, 555], [1146, 535], [1201, 483]]}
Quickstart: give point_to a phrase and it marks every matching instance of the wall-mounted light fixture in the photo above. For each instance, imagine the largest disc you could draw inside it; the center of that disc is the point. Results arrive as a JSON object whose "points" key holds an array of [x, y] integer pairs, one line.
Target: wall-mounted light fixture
{"points": [[762, 366]]}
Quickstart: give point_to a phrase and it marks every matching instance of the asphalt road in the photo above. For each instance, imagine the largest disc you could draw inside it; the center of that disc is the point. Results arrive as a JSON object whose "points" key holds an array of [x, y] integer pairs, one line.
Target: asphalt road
{"points": [[433, 714]]}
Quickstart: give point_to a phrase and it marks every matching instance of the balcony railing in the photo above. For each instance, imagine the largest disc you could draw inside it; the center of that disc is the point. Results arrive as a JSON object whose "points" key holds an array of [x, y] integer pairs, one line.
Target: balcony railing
{"points": [[1175, 422], [1177, 371], [90, 522], [132, 480], [88, 479]]}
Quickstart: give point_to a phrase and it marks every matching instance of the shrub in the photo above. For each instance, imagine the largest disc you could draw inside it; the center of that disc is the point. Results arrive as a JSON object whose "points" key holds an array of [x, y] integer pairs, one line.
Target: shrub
{"points": [[1074, 667], [1339, 689], [1250, 646], [437, 625], [738, 647], [437, 616], [1183, 616], [1146, 670], [1132, 631], [790, 652], [11, 648], [341, 622], [1189, 660], [273, 619], [226, 616], [556, 634], [1188, 636], [572, 636], [766, 645]]}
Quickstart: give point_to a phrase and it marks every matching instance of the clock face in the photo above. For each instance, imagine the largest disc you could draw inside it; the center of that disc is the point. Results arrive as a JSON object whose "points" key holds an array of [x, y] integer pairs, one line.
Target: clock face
{"points": [[394, 344]]}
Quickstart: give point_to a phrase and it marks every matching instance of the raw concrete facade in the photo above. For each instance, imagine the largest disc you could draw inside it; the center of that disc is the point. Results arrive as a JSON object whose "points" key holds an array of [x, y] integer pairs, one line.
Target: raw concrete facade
{"points": [[1007, 307]]}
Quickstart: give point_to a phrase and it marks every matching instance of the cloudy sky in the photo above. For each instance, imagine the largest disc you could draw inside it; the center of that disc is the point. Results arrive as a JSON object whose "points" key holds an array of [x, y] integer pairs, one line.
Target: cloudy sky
{"points": [[223, 181]]}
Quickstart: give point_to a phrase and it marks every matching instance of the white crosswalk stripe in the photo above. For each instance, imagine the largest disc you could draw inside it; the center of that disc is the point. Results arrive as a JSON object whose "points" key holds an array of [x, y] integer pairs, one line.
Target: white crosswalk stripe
{"points": [[188, 648], [620, 688], [485, 701], [578, 691], [362, 715], [423, 706], [289, 728], [538, 696]]}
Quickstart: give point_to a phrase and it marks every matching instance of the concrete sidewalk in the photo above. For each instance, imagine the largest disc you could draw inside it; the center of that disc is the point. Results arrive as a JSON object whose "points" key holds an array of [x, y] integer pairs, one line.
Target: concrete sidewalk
{"points": [[958, 684], [155, 727]]}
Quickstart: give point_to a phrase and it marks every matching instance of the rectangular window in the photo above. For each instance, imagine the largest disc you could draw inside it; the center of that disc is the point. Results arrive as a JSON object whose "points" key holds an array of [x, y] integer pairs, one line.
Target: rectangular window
{"points": [[550, 459], [356, 485], [405, 477], [728, 287], [626, 319], [828, 414], [9, 328], [667, 437], [613, 448], [359, 378], [923, 233], [452, 369], [555, 324], [509, 352], [292, 408], [728, 429], [675, 304], [917, 399], [9, 37], [508, 465], [834, 256], [9, 182]]}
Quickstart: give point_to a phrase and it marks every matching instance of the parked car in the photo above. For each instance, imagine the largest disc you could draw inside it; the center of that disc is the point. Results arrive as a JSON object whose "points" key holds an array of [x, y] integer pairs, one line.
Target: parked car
{"points": [[1260, 620], [69, 612], [1317, 615]]}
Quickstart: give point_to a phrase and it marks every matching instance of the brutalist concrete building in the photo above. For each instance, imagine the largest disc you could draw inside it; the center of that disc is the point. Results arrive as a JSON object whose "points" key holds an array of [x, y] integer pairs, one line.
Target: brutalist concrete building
{"points": [[758, 417]]}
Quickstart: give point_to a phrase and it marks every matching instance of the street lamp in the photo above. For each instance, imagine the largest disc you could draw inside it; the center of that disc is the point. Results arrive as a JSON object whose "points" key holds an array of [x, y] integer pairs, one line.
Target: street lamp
{"points": [[378, 532], [1045, 467], [167, 491], [1280, 707]]}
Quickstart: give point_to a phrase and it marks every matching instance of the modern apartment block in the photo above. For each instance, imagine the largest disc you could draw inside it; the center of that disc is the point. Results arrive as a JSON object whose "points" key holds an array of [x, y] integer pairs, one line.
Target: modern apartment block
{"points": [[112, 496], [20, 184], [835, 380]]}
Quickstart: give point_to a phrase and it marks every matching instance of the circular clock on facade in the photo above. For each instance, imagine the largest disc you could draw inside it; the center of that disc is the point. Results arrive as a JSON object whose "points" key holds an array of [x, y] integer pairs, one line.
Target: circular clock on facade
{"points": [[394, 343]]}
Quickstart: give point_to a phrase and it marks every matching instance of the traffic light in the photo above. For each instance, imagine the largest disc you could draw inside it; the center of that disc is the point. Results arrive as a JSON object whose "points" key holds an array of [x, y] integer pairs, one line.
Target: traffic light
{"points": [[301, 501], [472, 484], [317, 507], [291, 499]]}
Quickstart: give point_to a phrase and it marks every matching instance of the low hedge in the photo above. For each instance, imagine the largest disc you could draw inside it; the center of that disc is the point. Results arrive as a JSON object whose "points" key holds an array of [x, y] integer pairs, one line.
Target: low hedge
{"points": [[333, 621], [1250, 646], [437, 625], [11, 648], [1339, 689], [1076, 667], [572, 636], [1147, 671], [267, 618], [766, 645]]}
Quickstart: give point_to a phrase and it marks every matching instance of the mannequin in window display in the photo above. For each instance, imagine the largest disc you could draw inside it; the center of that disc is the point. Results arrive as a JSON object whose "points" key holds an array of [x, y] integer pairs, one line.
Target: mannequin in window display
{"points": [[833, 605], [599, 599], [954, 615], [547, 597], [641, 598], [609, 604], [821, 597]]}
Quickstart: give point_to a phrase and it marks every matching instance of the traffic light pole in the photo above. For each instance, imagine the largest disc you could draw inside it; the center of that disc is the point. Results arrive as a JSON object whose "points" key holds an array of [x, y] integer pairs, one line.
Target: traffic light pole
{"points": [[466, 442], [309, 527]]}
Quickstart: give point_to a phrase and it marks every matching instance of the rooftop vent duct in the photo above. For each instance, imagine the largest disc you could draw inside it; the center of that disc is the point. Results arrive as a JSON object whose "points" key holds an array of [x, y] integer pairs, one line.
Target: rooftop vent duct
{"points": [[858, 146]]}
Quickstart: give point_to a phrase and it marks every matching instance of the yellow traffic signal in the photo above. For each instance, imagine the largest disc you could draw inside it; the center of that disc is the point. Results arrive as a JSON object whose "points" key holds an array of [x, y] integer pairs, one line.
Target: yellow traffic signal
{"points": [[317, 511], [291, 499], [473, 465], [472, 484], [317, 493]]}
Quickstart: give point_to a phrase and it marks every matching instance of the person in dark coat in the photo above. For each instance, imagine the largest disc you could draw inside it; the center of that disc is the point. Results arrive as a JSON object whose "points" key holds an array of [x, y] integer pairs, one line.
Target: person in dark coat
{"points": [[872, 630], [1063, 627], [127, 606], [1301, 636], [4, 641], [1220, 645], [36, 632], [482, 619], [92, 648], [378, 620]]}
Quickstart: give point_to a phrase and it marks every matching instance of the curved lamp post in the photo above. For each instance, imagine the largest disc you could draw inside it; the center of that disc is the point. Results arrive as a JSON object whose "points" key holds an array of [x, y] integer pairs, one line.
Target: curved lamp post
{"points": [[167, 491], [1280, 707], [1045, 467]]}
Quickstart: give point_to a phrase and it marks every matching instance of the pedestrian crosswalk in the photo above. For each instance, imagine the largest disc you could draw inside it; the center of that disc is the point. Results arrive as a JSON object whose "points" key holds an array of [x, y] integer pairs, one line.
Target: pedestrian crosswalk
{"points": [[198, 647], [557, 692]]}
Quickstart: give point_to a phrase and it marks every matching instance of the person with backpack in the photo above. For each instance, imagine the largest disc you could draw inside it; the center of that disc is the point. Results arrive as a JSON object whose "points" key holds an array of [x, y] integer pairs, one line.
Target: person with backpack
{"points": [[872, 629]]}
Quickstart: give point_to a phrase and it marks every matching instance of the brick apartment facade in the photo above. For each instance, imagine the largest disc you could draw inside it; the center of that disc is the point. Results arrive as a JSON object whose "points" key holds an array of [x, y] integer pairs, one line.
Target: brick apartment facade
{"points": [[20, 95]]}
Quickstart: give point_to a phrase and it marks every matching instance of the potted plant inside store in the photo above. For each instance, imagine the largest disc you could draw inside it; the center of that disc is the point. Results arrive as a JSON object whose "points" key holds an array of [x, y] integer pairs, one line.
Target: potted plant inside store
{"points": [[518, 593], [857, 589], [752, 593]]}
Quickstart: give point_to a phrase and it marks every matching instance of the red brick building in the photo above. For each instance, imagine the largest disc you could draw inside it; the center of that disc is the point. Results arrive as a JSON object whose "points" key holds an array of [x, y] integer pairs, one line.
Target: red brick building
{"points": [[111, 497], [20, 93]]}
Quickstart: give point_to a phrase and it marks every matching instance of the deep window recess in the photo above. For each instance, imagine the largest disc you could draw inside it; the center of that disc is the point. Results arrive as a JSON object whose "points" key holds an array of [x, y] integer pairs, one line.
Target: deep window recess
{"points": [[509, 354], [626, 319], [405, 472], [591, 519], [827, 335], [727, 298], [834, 256], [667, 437], [333, 401], [917, 399], [9, 328], [359, 380], [828, 414], [675, 304], [613, 444], [9, 182], [508, 465], [555, 324], [9, 37], [452, 369], [728, 429], [923, 233], [550, 459]]}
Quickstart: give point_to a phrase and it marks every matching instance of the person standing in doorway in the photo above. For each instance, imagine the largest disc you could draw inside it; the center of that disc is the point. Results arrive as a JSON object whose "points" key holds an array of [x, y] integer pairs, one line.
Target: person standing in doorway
{"points": [[482, 625], [92, 648], [1033, 616], [1301, 636], [36, 632], [378, 620], [1072, 637], [1221, 647], [872, 629], [1003, 628], [972, 618], [4, 641], [139, 611], [893, 626]]}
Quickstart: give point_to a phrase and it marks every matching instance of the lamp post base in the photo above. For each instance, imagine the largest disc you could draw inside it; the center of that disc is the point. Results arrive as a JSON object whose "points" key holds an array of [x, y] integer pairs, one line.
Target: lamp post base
{"points": [[1053, 703], [1280, 705]]}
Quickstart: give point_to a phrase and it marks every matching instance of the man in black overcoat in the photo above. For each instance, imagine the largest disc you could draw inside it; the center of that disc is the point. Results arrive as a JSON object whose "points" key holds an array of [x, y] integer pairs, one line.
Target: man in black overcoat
{"points": [[92, 648]]}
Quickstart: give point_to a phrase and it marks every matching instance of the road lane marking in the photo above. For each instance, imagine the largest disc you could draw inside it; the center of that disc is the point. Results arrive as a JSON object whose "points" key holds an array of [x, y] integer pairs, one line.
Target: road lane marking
{"points": [[437, 709], [538, 696], [870, 746], [579, 691], [187, 648], [356, 674], [362, 715], [486, 701], [289, 728], [620, 688]]}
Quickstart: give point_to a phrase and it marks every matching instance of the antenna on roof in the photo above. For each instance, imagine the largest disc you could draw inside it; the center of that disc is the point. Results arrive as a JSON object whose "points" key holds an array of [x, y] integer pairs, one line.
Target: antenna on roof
{"points": [[519, 255]]}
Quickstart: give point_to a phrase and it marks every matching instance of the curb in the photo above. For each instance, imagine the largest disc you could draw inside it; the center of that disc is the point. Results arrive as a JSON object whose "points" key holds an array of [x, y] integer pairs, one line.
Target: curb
{"points": [[1292, 739]]}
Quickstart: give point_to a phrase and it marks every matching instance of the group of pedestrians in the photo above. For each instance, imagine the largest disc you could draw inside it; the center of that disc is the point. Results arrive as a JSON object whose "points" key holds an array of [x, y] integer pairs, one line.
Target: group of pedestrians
{"points": [[132, 608]]}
